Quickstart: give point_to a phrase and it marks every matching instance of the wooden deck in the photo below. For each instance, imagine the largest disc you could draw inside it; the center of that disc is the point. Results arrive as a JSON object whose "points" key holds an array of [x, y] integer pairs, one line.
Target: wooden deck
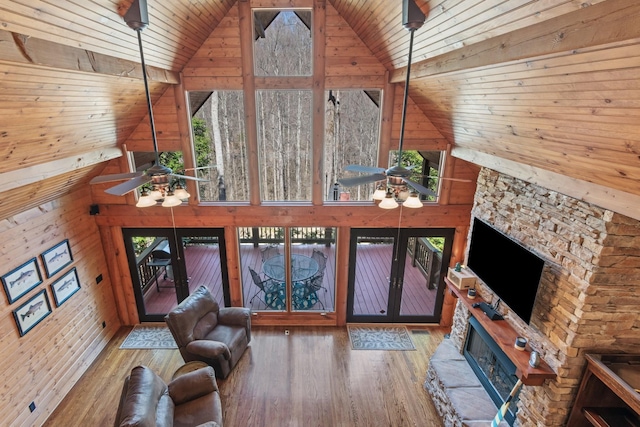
{"points": [[371, 287]]}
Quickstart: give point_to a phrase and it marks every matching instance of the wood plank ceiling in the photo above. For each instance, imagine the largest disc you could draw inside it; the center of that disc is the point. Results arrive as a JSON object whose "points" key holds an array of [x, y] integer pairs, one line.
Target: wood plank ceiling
{"points": [[504, 92]]}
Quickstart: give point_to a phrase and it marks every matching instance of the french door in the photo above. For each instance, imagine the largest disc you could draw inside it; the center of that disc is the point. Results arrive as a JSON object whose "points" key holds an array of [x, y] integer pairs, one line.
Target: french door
{"points": [[397, 275], [166, 265]]}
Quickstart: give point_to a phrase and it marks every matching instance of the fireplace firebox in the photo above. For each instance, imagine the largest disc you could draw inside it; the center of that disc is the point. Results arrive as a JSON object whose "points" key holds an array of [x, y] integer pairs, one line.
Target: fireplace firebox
{"points": [[491, 365]]}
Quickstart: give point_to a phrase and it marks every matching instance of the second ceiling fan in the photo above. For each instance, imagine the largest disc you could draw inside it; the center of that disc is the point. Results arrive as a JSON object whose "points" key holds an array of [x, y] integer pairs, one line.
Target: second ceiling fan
{"points": [[158, 175], [397, 176]]}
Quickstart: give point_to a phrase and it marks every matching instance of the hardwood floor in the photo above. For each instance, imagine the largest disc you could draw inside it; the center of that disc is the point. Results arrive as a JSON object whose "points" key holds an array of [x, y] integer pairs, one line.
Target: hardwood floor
{"points": [[310, 377]]}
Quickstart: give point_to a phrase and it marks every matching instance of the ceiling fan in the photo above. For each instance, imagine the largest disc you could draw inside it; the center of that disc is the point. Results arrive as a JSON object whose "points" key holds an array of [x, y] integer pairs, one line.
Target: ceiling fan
{"points": [[398, 184], [158, 175]]}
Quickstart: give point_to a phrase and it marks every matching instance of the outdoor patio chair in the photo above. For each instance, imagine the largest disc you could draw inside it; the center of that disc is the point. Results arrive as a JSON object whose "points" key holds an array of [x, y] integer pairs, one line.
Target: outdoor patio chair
{"points": [[321, 259], [309, 292], [266, 286], [269, 252]]}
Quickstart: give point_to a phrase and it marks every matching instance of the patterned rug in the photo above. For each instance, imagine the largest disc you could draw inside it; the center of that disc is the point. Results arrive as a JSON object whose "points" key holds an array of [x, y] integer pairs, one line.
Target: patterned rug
{"points": [[380, 338], [148, 337]]}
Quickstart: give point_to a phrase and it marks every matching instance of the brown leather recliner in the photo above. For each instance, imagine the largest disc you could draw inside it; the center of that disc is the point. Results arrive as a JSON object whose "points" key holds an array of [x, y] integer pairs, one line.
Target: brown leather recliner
{"points": [[191, 399], [206, 332]]}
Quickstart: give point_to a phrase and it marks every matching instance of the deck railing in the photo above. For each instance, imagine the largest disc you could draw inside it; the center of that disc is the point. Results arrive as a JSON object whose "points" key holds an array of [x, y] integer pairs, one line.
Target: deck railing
{"points": [[145, 272], [427, 258], [271, 235]]}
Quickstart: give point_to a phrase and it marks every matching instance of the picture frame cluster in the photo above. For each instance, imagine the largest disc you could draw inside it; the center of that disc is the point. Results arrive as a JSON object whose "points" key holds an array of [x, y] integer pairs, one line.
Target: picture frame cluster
{"points": [[21, 280]]}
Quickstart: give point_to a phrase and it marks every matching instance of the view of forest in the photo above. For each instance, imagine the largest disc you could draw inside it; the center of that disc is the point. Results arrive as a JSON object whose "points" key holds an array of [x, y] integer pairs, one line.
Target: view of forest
{"points": [[283, 47]]}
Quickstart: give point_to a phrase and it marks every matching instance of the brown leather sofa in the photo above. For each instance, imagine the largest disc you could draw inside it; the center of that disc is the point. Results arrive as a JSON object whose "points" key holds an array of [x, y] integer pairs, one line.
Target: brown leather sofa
{"points": [[190, 400], [205, 332]]}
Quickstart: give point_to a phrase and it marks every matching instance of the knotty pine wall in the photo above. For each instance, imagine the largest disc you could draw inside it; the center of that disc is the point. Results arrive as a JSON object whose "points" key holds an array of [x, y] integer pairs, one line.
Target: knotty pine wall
{"points": [[44, 364]]}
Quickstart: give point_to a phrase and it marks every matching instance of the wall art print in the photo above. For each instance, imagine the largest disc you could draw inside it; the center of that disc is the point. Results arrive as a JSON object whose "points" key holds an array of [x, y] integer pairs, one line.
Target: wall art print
{"points": [[21, 280], [57, 258], [32, 312], [64, 287]]}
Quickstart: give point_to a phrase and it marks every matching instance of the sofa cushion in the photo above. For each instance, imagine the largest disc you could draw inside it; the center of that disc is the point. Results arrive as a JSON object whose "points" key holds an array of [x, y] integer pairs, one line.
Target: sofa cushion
{"points": [[199, 411], [145, 389], [192, 385], [233, 336], [205, 325]]}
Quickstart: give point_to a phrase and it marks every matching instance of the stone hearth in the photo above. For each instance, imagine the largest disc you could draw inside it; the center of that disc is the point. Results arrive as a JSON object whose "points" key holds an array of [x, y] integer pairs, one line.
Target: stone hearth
{"points": [[456, 392]]}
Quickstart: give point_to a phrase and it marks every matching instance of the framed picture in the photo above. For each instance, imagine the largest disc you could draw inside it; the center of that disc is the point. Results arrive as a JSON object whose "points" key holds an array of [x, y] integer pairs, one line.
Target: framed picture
{"points": [[57, 258], [64, 287], [32, 312], [21, 280]]}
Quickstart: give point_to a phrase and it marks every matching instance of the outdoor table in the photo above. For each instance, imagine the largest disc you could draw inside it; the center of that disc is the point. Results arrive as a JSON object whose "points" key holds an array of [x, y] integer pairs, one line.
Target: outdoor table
{"points": [[302, 269]]}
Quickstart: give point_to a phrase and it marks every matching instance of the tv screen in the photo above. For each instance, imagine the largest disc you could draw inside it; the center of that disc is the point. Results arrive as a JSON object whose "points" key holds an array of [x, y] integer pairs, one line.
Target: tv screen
{"points": [[506, 267]]}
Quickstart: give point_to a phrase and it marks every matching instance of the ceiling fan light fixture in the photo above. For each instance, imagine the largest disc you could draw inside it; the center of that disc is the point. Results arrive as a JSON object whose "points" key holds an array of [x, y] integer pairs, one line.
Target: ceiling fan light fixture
{"points": [[389, 201], [380, 193], [171, 200], [156, 195], [145, 200], [180, 192], [413, 201]]}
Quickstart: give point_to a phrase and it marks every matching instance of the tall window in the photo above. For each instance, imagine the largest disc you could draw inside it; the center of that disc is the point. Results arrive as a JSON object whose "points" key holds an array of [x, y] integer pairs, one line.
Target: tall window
{"points": [[352, 137], [220, 145], [284, 144], [425, 168], [283, 43]]}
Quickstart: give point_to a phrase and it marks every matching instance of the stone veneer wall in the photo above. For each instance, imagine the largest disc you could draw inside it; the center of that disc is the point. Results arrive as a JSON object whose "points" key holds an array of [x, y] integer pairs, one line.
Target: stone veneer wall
{"points": [[589, 293]]}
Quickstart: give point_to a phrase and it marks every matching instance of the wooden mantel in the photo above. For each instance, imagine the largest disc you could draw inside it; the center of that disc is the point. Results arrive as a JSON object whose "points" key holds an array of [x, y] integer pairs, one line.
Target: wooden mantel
{"points": [[504, 335]]}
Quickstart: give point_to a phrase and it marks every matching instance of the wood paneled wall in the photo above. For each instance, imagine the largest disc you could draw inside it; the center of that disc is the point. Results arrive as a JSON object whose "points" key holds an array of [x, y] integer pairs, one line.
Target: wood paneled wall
{"points": [[568, 120], [44, 364]]}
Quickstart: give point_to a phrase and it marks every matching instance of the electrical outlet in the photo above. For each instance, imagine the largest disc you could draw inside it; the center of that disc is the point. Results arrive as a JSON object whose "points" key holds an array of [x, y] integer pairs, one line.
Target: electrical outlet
{"points": [[286, 332], [104, 324], [99, 279], [32, 406]]}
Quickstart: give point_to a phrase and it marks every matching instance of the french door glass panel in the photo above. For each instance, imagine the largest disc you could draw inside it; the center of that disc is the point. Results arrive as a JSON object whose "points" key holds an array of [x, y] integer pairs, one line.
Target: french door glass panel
{"points": [[166, 265], [280, 271], [202, 260], [397, 275]]}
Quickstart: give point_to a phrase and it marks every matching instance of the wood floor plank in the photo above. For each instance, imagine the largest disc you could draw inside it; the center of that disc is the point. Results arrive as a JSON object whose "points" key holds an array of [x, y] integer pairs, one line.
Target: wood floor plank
{"points": [[310, 377]]}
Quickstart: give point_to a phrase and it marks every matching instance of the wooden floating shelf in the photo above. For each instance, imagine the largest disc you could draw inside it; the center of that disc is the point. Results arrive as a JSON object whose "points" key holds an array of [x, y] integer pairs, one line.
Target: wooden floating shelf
{"points": [[505, 336]]}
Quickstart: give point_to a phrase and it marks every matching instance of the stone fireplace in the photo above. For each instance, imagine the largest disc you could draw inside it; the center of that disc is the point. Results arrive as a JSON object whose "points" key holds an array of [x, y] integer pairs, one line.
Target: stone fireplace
{"points": [[588, 295], [496, 372]]}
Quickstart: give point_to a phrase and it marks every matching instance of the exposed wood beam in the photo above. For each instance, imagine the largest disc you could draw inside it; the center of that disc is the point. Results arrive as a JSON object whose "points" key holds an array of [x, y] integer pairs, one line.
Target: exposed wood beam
{"points": [[332, 214], [31, 174], [605, 197], [319, 102], [607, 22], [23, 49], [246, 47]]}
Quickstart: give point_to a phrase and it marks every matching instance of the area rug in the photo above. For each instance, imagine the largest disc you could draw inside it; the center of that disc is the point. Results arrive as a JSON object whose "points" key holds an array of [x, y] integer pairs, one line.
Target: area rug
{"points": [[380, 338], [149, 337]]}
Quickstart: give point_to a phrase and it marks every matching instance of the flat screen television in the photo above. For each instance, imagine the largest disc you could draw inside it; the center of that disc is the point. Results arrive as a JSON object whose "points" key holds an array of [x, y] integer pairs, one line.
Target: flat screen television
{"points": [[507, 268]]}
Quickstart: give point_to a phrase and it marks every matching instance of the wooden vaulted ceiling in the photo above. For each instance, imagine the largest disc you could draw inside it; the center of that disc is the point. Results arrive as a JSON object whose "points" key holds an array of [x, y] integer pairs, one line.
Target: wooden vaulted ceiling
{"points": [[544, 90]]}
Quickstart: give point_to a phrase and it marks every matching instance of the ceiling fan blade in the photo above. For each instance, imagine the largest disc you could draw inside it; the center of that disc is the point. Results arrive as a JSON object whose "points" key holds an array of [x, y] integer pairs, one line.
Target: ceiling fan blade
{"points": [[363, 169], [193, 178], [115, 177], [419, 188], [359, 180], [125, 187]]}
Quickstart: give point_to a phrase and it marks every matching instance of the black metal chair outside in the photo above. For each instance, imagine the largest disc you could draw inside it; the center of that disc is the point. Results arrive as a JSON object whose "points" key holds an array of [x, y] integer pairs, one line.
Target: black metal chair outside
{"points": [[265, 286], [269, 252], [321, 259], [312, 286]]}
